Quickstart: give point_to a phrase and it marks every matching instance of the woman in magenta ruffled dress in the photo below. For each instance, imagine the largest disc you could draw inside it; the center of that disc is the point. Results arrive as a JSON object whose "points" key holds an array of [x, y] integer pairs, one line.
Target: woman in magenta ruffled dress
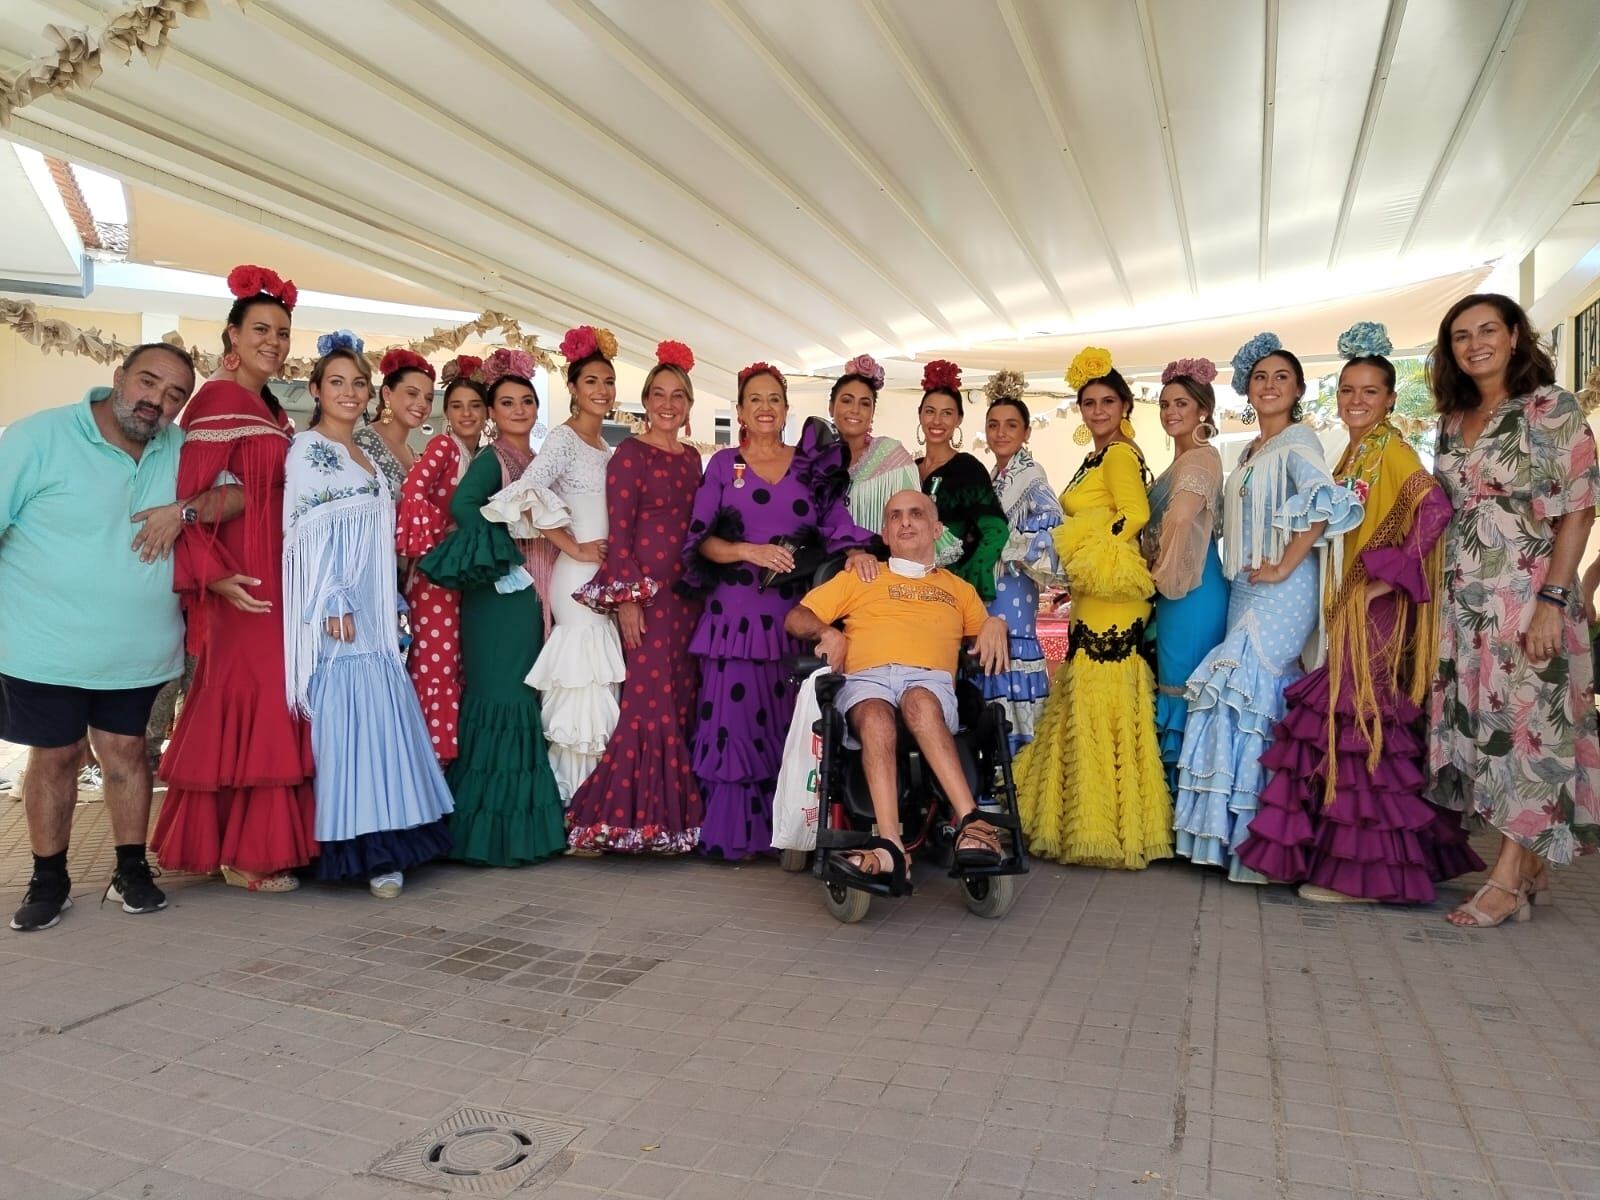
{"points": [[1344, 813], [642, 796]]}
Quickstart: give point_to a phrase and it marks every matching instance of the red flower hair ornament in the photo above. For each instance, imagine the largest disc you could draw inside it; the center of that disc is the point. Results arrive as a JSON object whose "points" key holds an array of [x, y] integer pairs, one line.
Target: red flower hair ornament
{"points": [[762, 368], [463, 366], [939, 374], [675, 354], [401, 359], [247, 280]]}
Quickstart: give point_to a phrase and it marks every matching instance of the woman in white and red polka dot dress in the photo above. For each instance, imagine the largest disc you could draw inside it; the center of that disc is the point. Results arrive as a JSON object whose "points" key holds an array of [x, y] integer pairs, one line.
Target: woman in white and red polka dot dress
{"points": [[434, 662]]}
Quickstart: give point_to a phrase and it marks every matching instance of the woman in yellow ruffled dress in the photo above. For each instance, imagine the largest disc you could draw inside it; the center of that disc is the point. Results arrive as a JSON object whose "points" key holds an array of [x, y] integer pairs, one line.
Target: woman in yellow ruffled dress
{"points": [[1090, 786]]}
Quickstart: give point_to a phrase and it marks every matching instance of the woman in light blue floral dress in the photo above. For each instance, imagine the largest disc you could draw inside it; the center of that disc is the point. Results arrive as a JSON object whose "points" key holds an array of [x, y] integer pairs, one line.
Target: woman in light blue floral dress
{"points": [[1279, 506], [381, 798]]}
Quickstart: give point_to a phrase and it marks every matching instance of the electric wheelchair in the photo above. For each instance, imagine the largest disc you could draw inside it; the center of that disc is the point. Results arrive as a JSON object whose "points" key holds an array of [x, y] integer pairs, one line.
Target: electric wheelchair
{"points": [[845, 817]]}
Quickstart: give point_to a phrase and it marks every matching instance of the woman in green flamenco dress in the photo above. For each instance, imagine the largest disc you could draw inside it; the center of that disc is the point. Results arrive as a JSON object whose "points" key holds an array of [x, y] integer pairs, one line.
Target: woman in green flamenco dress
{"points": [[508, 811]]}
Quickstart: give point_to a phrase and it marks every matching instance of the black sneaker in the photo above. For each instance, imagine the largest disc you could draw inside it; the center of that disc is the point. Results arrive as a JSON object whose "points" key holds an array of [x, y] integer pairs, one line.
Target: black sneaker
{"points": [[134, 885], [48, 896]]}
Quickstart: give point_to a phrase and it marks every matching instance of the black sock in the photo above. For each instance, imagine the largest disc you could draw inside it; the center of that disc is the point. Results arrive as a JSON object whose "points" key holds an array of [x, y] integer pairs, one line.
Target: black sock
{"points": [[50, 864], [132, 852]]}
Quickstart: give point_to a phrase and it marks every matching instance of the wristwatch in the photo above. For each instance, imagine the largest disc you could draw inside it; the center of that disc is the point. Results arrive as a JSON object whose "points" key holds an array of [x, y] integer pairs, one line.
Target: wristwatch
{"points": [[188, 513]]}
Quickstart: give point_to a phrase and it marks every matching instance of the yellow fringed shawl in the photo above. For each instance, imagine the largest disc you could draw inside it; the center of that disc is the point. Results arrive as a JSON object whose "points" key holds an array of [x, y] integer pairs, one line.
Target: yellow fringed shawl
{"points": [[1390, 479]]}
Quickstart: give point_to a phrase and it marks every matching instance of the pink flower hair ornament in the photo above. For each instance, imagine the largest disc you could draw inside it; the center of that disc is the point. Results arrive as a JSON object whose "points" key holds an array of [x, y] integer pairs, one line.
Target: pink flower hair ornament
{"points": [[867, 367], [1201, 370], [506, 361], [586, 340], [763, 368]]}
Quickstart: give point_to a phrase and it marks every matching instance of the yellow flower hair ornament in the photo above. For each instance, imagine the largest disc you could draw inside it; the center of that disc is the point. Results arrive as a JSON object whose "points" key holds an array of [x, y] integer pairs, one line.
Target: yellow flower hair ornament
{"points": [[1090, 363]]}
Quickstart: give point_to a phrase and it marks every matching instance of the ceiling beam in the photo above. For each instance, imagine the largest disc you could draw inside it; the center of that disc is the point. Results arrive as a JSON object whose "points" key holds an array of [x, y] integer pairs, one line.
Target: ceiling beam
{"points": [[1269, 133], [917, 78], [393, 90], [1369, 122], [1158, 96], [1022, 44], [852, 143], [1469, 110], [596, 24], [449, 29], [316, 127], [199, 157]]}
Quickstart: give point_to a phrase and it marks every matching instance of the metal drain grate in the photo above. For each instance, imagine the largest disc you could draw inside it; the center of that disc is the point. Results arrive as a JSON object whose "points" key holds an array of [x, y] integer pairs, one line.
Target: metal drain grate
{"points": [[477, 1152]]}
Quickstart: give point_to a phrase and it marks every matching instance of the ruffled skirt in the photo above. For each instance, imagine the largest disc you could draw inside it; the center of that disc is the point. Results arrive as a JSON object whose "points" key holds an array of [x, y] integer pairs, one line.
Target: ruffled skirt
{"points": [[381, 799], [1187, 630], [1024, 687], [1379, 839], [1090, 786]]}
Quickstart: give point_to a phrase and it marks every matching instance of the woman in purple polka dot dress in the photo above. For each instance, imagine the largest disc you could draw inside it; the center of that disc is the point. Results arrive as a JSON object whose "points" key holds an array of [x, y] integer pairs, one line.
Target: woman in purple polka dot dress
{"points": [[642, 797], [752, 496]]}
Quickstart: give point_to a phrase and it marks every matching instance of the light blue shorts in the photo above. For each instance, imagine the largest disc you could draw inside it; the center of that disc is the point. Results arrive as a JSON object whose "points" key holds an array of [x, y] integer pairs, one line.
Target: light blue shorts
{"points": [[891, 682]]}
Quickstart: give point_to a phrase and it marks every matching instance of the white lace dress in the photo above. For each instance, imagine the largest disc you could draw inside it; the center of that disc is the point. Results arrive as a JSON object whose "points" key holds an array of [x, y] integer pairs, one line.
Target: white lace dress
{"points": [[581, 667]]}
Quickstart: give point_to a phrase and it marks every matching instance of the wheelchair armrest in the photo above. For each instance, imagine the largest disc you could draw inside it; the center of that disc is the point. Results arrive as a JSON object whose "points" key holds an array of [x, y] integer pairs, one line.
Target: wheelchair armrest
{"points": [[802, 666], [828, 687]]}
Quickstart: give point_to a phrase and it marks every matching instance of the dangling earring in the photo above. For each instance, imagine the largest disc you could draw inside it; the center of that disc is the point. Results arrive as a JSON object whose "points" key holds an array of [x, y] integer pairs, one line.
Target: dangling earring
{"points": [[1204, 432], [687, 432], [490, 429], [1296, 411], [956, 441], [388, 414], [230, 361], [1249, 414], [922, 438], [1126, 429], [1081, 435]]}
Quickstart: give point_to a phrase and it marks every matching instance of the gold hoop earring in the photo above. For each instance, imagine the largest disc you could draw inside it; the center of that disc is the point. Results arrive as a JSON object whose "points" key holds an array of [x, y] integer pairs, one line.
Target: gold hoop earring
{"points": [[1204, 432], [956, 441], [922, 438]]}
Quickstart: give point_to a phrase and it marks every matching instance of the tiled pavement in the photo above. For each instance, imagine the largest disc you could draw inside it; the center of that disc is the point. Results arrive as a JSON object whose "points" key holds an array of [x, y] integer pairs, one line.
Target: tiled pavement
{"points": [[714, 1034]]}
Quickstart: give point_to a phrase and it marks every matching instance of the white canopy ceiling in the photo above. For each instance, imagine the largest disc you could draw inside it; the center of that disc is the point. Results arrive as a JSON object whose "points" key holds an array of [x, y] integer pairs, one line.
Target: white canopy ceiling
{"points": [[804, 181]]}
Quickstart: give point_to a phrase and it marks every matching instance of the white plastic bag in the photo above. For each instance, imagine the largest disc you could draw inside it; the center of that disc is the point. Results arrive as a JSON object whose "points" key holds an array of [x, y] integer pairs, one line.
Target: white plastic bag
{"points": [[794, 804]]}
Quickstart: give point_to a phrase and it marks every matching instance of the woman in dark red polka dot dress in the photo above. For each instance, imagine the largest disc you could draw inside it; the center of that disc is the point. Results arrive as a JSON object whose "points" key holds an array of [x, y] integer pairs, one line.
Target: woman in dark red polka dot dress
{"points": [[642, 797], [434, 661]]}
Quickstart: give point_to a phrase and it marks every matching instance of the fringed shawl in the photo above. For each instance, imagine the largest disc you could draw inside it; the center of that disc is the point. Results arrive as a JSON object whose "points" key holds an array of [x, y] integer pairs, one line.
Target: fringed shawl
{"points": [[338, 557], [1389, 478]]}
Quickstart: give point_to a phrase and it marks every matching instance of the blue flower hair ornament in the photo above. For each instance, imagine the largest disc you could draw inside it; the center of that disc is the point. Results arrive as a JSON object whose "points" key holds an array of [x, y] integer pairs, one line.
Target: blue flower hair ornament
{"points": [[1248, 355], [339, 339], [1364, 339]]}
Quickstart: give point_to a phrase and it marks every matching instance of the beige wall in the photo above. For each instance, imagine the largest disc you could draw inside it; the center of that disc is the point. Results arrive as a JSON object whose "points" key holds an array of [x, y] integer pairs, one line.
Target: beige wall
{"points": [[31, 380]]}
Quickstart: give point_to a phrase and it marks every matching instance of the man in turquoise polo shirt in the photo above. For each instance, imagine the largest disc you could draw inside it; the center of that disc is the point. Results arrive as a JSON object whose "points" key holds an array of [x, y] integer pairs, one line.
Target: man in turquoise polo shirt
{"points": [[89, 625]]}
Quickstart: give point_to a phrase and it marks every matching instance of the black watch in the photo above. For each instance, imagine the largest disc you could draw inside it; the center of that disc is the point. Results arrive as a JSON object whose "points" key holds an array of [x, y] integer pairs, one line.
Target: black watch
{"points": [[189, 515]]}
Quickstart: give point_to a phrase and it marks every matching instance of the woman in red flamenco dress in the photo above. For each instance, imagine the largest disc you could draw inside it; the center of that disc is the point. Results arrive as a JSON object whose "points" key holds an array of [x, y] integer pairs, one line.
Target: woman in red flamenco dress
{"points": [[238, 768], [434, 661]]}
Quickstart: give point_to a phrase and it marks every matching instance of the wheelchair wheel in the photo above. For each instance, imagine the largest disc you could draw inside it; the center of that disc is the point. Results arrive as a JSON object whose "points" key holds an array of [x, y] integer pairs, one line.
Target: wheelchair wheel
{"points": [[845, 905], [989, 896], [794, 860]]}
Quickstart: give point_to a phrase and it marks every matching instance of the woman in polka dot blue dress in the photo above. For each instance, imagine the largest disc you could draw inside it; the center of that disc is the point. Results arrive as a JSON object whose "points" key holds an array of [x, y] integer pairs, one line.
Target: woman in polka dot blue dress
{"points": [[1279, 506]]}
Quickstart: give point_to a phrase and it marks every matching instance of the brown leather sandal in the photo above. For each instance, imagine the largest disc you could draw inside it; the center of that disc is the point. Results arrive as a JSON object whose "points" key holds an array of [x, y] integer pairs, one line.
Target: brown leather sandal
{"points": [[978, 842]]}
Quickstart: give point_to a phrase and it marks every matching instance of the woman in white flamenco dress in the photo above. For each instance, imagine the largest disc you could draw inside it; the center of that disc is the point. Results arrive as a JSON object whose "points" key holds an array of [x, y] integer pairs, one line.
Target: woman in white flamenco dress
{"points": [[562, 498]]}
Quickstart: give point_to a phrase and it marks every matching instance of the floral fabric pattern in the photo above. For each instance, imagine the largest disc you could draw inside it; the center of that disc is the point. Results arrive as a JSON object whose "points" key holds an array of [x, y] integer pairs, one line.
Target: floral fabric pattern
{"points": [[1512, 740]]}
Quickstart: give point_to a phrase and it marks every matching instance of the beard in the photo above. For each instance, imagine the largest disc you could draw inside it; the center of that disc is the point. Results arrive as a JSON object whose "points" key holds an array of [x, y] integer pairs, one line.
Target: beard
{"points": [[134, 418]]}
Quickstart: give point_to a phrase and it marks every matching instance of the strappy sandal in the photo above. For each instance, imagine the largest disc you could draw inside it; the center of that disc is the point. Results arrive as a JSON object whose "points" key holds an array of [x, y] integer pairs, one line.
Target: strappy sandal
{"points": [[977, 842], [1482, 920], [1537, 887], [862, 866]]}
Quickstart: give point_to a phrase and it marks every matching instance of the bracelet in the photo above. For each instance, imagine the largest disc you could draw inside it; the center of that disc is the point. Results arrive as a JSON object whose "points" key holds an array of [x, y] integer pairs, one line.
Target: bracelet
{"points": [[1551, 600], [1559, 593]]}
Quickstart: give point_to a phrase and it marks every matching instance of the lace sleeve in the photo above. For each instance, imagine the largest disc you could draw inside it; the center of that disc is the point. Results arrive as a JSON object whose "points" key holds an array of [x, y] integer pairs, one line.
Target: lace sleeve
{"points": [[1188, 524]]}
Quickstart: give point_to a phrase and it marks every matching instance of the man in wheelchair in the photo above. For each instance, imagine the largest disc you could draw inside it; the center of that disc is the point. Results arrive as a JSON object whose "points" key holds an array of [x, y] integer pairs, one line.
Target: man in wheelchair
{"points": [[900, 647]]}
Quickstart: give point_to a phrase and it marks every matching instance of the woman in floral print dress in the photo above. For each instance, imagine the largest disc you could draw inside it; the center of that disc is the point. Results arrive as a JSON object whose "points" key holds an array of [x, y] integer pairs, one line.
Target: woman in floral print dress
{"points": [[1512, 735]]}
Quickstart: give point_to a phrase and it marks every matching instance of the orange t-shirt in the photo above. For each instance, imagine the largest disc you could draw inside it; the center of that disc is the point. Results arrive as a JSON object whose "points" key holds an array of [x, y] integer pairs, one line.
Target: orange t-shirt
{"points": [[899, 620]]}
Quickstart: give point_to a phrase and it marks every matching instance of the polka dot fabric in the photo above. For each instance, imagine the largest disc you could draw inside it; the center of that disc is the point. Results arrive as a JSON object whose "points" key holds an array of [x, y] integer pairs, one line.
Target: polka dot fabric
{"points": [[434, 661], [642, 796]]}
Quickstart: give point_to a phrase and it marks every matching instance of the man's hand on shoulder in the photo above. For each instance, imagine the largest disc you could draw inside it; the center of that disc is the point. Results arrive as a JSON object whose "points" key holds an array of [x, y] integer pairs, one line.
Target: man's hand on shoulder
{"points": [[832, 646], [992, 646]]}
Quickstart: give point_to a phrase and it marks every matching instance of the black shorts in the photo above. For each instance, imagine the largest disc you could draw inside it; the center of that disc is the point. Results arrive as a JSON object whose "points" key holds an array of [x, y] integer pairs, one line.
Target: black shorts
{"points": [[48, 716]]}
